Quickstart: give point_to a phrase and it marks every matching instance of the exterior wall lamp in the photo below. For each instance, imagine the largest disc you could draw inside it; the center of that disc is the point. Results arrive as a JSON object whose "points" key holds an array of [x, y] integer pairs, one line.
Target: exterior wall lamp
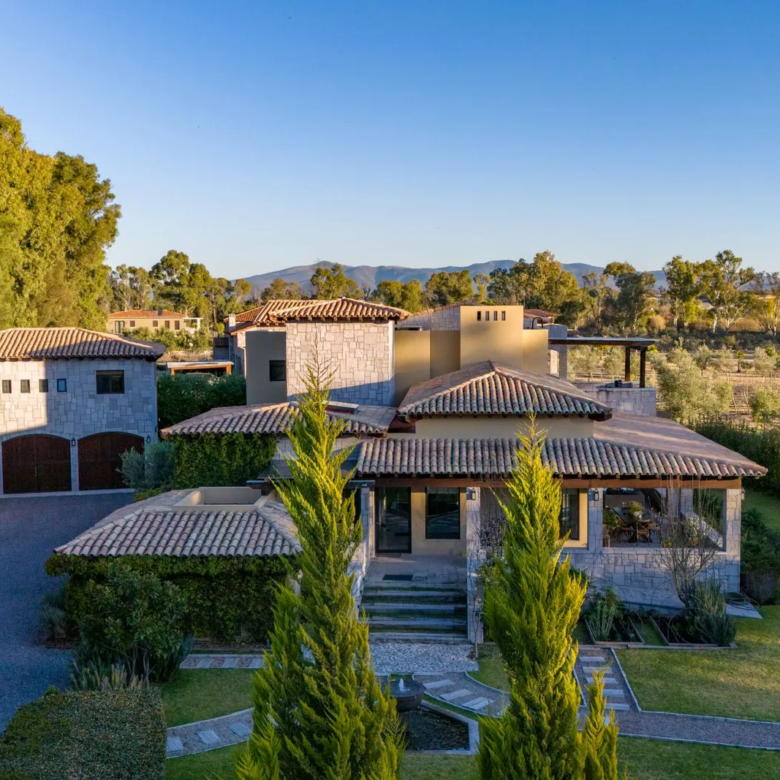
{"points": [[471, 494], [594, 494]]}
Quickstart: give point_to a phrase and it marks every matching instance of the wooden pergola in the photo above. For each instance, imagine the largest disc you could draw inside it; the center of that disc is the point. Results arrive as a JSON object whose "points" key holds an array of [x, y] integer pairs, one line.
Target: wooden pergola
{"points": [[641, 345]]}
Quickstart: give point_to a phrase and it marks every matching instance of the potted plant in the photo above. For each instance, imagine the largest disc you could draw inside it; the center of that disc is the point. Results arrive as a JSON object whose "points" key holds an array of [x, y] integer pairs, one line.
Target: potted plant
{"points": [[635, 511]]}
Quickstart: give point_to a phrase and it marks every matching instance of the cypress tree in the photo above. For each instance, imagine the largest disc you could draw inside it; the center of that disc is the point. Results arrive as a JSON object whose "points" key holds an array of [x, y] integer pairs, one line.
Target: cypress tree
{"points": [[319, 712], [532, 604]]}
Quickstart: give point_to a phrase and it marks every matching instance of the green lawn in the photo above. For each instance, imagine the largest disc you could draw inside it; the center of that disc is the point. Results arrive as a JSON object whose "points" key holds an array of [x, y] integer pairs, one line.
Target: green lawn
{"points": [[741, 683], [768, 506], [646, 760], [206, 693], [491, 668]]}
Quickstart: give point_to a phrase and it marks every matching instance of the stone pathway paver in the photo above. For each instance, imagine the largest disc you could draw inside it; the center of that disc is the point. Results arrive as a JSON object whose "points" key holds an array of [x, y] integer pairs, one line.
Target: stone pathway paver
{"points": [[617, 692], [222, 661], [465, 692], [209, 734]]}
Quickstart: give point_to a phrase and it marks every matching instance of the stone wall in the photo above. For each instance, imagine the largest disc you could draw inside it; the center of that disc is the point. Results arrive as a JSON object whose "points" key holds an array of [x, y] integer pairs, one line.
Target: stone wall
{"points": [[628, 400], [445, 318], [359, 354]]}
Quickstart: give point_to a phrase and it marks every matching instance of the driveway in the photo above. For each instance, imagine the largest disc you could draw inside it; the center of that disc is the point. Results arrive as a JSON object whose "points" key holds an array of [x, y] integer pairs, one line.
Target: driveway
{"points": [[30, 528]]}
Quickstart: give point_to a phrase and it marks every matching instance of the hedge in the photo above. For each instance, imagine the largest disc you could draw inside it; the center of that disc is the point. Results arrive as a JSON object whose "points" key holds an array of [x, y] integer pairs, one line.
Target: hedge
{"points": [[220, 460], [761, 445], [181, 396], [86, 736], [227, 598]]}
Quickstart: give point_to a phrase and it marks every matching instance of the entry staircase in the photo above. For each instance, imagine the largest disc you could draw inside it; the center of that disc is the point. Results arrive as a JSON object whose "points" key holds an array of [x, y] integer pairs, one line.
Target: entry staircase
{"points": [[409, 611]]}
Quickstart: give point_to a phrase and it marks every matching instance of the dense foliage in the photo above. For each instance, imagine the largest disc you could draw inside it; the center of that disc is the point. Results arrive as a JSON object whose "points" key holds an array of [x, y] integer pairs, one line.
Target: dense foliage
{"points": [[181, 396], [760, 569], [226, 598], [89, 736], [532, 604], [220, 459], [319, 710]]}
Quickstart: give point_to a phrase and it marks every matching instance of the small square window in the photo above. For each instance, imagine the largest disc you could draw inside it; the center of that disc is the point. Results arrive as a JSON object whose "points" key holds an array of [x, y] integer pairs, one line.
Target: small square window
{"points": [[155, 323], [132, 323], [110, 382], [177, 325], [6, 385], [277, 370], [62, 385], [24, 386], [168, 324], [43, 385]]}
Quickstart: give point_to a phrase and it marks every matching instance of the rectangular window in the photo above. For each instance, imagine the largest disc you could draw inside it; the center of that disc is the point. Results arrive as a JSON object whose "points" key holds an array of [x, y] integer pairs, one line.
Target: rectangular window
{"points": [[110, 382], [442, 516], [132, 323], [177, 325], [570, 514], [168, 324], [479, 316], [393, 519], [43, 385], [155, 323], [503, 316], [119, 326], [277, 370], [62, 385], [6, 385], [24, 386], [495, 316], [487, 316]]}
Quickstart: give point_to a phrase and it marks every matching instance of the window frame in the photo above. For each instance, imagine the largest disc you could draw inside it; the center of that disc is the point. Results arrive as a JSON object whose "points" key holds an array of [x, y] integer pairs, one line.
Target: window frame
{"points": [[62, 385], [272, 364], [24, 383], [580, 498], [110, 387], [6, 386], [177, 324], [43, 385], [435, 491]]}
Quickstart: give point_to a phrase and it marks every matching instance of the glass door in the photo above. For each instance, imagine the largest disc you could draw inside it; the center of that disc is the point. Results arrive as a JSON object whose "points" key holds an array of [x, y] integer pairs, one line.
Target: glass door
{"points": [[393, 520]]}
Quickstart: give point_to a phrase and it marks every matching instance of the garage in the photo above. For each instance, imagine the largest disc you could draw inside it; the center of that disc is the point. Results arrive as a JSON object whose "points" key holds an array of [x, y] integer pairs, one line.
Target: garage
{"points": [[36, 464], [100, 461]]}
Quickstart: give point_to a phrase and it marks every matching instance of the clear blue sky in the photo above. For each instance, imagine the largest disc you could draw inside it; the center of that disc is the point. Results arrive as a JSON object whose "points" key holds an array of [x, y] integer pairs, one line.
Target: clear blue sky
{"points": [[259, 135]]}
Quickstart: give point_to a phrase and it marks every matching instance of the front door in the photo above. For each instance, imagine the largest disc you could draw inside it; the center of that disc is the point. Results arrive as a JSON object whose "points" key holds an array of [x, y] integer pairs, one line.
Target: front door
{"points": [[393, 520]]}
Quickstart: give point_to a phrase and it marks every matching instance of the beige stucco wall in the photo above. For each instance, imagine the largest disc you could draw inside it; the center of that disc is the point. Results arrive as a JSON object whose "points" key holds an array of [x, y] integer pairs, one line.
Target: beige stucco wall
{"points": [[412, 360], [423, 546], [491, 333], [535, 349], [500, 427], [262, 346], [445, 352]]}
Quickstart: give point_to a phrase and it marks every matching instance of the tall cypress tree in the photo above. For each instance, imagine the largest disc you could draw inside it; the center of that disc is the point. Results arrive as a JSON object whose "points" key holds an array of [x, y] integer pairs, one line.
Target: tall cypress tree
{"points": [[319, 712], [532, 604]]}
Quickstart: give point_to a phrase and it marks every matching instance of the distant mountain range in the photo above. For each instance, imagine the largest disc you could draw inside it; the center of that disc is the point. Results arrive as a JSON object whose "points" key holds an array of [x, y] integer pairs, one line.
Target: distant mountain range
{"points": [[371, 275]]}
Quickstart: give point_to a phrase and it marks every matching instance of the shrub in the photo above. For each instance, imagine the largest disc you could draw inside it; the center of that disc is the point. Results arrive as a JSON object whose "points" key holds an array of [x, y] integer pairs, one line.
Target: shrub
{"points": [[53, 617], [136, 620], [603, 612], [150, 470], [226, 598], [86, 736], [220, 459], [765, 361], [708, 618], [764, 403], [182, 396], [760, 558]]}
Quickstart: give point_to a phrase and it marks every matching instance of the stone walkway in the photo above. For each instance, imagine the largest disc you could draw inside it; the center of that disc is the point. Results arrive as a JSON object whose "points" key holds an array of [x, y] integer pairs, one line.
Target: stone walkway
{"points": [[462, 690], [209, 734], [617, 692]]}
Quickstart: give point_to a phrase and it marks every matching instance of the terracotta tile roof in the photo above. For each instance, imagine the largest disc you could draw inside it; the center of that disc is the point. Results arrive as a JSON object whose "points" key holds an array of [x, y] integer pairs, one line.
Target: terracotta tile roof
{"points": [[145, 314], [493, 458], [188, 532], [276, 313], [490, 389], [57, 343], [274, 419]]}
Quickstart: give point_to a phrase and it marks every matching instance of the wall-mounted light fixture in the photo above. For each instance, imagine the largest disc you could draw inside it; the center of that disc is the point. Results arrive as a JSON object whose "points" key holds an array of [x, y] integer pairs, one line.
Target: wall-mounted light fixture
{"points": [[594, 494], [72, 442], [148, 439], [471, 494]]}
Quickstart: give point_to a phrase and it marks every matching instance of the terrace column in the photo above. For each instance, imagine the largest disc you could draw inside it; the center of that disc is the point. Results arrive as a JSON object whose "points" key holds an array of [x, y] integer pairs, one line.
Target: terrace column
{"points": [[732, 522], [627, 372], [474, 560], [595, 520]]}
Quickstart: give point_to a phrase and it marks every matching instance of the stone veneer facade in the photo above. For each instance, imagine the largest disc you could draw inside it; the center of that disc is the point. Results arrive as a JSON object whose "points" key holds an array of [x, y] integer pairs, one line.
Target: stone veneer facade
{"points": [[79, 411], [360, 355], [625, 400]]}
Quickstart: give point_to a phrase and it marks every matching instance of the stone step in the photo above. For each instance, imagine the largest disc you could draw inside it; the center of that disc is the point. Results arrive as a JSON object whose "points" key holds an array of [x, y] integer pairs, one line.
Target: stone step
{"points": [[613, 693], [442, 637], [400, 606], [461, 693], [476, 704], [418, 622], [436, 684], [592, 659], [377, 588], [618, 707], [590, 679]]}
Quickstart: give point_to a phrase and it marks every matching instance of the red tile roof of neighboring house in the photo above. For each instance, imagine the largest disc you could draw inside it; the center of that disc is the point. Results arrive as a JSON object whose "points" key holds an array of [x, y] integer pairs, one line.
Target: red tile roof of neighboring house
{"points": [[490, 389], [275, 419], [277, 312], [143, 314], [57, 343]]}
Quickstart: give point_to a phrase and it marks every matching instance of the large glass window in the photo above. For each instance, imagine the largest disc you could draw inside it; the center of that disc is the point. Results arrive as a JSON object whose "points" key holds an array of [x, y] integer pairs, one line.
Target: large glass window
{"points": [[570, 514], [110, 382], [442, 516], [393, 519], [277, 370]]}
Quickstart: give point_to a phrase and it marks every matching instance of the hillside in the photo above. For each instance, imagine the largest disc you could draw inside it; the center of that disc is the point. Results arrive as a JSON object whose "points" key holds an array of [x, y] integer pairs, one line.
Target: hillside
{"points": [[371, 275]]}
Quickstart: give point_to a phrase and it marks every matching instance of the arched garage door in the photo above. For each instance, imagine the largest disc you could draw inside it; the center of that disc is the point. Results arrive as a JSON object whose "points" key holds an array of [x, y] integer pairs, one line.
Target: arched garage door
{"points": [[99, 459], [36, 464]]}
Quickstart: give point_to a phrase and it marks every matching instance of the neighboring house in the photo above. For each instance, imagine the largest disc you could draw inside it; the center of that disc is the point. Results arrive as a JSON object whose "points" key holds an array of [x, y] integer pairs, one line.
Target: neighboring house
{"points": [[433, 404], [72, 400], [162, 319]]}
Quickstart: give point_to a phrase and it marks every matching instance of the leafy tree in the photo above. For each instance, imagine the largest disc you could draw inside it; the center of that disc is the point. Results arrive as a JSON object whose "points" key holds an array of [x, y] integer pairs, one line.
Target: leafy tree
{"points": [[723, 282], [403, 295], [764, 362], [683, 287], [446, 287], [532, 605], [279, 289], [481, 281], [634, 302], [331, 283], [319, 711], [764, 404], [687, 392], [595, 294], [766, 301], [507, 285]]}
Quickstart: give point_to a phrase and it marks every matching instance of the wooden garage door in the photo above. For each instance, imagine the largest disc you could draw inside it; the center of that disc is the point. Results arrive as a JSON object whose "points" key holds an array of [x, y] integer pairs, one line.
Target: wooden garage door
{"points": [[36, 464], [100, 461]]}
